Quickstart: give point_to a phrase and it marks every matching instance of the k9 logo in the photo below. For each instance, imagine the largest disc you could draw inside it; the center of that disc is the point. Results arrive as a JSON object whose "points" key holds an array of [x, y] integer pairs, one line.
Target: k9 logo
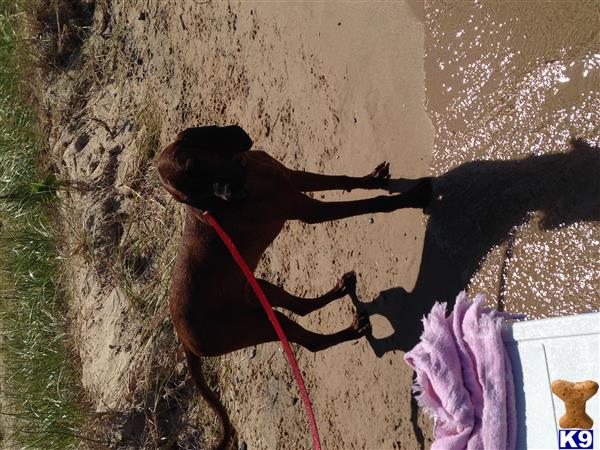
{"points": [[569, 439]]}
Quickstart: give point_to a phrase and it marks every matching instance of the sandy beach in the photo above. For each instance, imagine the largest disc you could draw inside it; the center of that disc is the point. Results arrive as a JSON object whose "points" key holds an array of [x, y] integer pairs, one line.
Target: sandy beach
{"points": [[337, 88]]}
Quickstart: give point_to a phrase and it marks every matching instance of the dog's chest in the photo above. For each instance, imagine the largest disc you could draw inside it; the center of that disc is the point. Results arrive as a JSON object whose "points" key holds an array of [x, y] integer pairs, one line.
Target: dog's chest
{"points": [[266, 174]]}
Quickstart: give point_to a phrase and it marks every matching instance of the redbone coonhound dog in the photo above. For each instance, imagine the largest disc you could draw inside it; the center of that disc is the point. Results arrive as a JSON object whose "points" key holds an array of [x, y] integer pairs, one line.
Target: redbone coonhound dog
{"points": [[251, 195]]}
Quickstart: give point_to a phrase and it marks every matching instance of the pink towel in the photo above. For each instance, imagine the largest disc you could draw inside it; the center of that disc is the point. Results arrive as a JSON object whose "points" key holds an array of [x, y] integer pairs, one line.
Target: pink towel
{"points": [[464, 377]]}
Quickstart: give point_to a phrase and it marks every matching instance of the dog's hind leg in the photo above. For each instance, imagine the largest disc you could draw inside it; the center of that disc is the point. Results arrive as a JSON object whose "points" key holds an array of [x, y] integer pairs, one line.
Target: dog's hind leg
{"points": [[315, 342], [252, 327], [303, 306]]}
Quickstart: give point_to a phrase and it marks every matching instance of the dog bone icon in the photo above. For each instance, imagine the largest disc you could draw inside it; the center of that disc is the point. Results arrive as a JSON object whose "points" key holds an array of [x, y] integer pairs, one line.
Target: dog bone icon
{"points": [[574, 395]]}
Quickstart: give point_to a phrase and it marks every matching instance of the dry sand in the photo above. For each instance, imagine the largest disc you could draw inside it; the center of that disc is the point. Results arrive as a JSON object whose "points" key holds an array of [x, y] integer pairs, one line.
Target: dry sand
{"points": [[333, 88]]}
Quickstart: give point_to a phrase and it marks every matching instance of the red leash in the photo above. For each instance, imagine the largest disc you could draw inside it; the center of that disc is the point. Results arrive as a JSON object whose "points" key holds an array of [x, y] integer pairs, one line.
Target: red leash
{"points": [[269, 310]]}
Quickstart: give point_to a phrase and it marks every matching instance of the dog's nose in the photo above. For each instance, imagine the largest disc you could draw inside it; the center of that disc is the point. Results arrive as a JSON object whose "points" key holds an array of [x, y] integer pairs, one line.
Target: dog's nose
{"points": [[222, 190]]}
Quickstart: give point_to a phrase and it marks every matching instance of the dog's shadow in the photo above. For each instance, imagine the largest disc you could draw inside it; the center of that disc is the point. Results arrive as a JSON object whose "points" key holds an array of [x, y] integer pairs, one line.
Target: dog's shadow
{"points": [[475, 207]]}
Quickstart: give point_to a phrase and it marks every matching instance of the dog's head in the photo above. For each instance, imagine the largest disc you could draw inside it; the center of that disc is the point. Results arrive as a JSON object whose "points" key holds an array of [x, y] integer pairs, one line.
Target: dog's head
{"points": [[202, 167]]}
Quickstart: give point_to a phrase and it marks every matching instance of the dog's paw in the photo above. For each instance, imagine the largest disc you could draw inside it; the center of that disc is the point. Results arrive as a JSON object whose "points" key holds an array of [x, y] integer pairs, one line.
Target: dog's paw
{"points": [[347, 284], [361, 323], [380, 177]]}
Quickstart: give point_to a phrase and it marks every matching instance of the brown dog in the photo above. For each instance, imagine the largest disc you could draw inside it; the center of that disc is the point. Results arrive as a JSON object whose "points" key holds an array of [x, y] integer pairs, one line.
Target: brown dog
{"points": [[251, 195]]}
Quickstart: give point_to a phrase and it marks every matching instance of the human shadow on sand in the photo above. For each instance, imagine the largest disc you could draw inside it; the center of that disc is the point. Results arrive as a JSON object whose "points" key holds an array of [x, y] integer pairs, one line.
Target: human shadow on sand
{"points": [[475, 207]]}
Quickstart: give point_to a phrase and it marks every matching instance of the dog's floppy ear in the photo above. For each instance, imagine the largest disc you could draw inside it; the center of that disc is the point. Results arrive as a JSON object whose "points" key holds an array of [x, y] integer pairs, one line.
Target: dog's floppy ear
{"points": [[171, 170], [172, 176], [235, 139], [231, 139]]}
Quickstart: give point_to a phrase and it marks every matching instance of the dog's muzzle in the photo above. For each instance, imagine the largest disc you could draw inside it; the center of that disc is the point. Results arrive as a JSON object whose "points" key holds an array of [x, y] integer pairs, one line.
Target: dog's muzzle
{"points": [[230, 186]]}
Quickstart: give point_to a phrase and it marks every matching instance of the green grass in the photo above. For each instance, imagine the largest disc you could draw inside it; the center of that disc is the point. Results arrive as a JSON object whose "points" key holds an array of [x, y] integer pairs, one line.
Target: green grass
{"points": [[39, 387]]}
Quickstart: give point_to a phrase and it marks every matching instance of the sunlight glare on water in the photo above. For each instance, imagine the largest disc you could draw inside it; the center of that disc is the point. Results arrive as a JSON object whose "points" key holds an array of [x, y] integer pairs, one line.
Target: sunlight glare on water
{"points": [[508, 80]]}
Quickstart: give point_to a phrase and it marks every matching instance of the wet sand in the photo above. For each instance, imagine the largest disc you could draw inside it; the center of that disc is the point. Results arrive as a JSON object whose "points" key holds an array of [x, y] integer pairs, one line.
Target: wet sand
{"points": [[506, 81]]}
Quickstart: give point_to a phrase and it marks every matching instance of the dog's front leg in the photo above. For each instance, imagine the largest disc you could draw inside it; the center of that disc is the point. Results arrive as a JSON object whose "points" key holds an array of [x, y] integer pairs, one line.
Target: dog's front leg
{"points": [[309, 182], [310, 210]]}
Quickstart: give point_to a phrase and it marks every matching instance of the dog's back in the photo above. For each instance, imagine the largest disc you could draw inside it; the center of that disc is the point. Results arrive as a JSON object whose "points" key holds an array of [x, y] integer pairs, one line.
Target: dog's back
{"points": [[205, 282]]}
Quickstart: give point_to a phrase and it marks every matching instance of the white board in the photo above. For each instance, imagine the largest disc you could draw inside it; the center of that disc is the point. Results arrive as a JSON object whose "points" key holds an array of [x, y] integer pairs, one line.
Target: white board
{"points": [[542, 351]]}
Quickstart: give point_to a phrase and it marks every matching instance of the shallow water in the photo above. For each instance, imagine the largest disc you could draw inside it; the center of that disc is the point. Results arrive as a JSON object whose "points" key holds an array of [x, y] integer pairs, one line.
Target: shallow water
{"points": [[505, 81]]}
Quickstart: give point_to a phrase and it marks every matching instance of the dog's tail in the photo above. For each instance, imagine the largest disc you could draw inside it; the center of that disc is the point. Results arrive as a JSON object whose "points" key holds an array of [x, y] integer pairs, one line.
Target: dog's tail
{"points": [[210, 397]]}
